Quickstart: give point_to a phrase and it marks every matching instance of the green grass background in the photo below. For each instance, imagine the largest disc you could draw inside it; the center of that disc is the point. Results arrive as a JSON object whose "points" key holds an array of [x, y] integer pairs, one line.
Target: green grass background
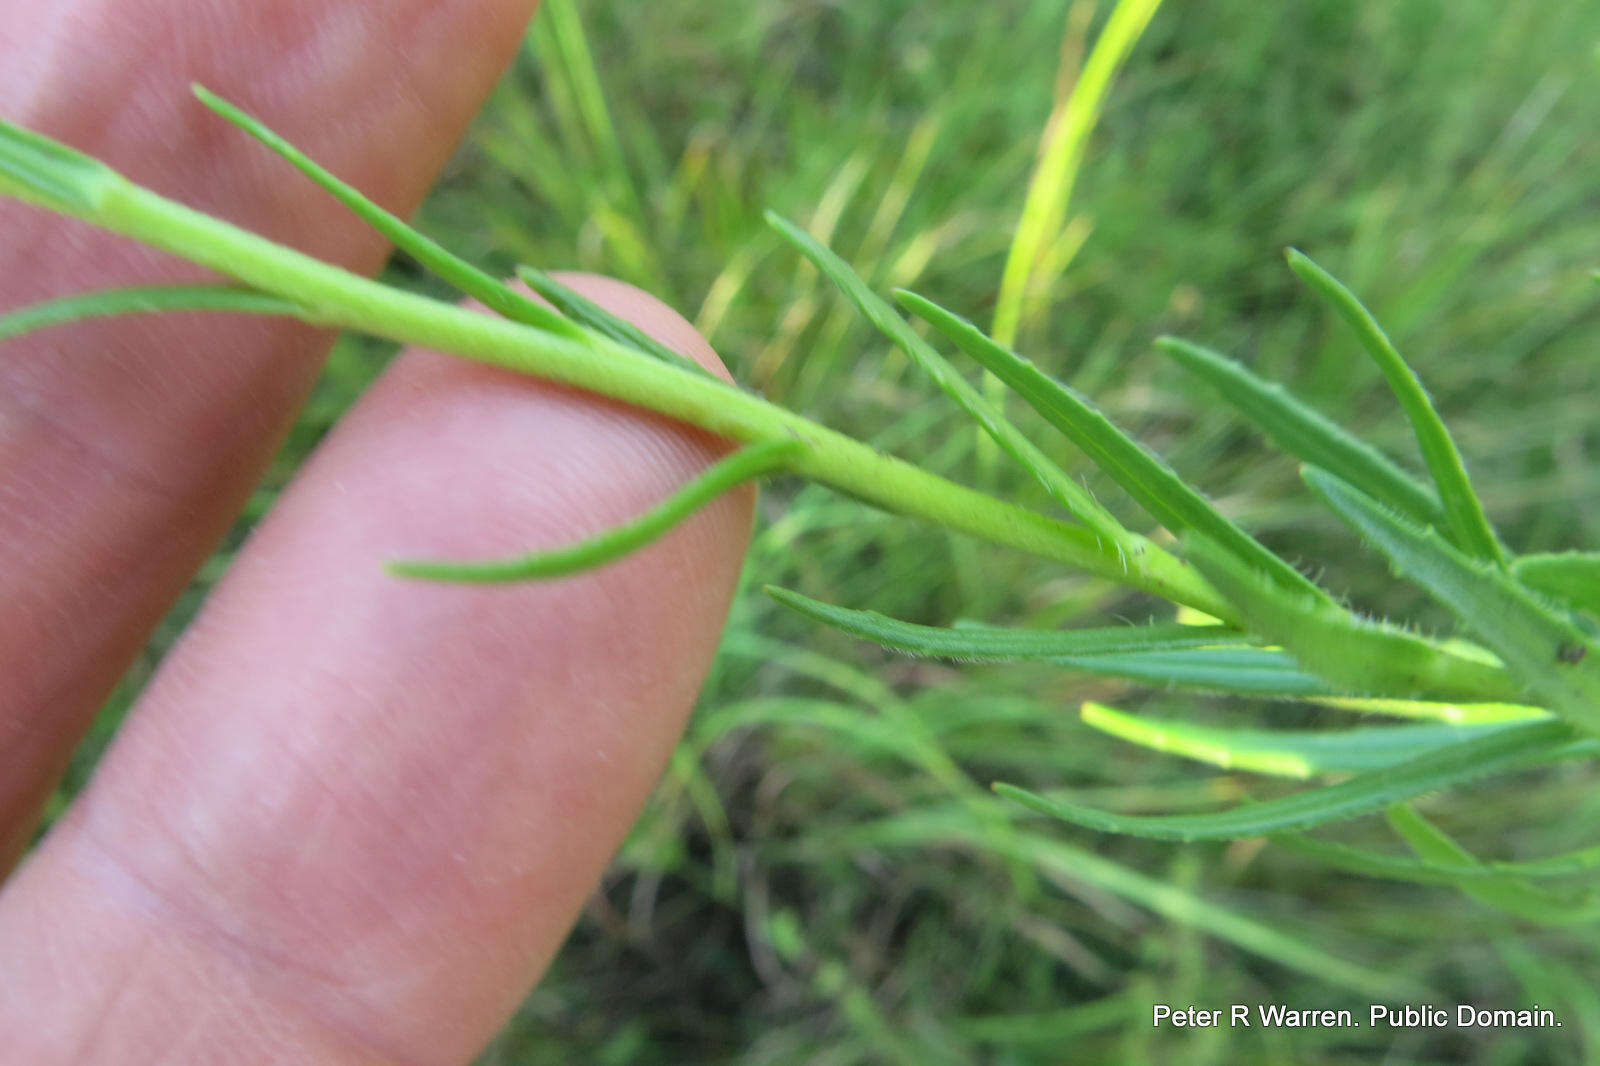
{"points": [[822, 875]]}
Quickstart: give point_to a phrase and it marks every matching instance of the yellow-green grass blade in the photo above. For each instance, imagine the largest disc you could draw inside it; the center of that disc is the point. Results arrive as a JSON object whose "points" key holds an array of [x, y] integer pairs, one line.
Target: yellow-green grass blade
{"points": [[1044, 209], [1556, 660], [1156, 487], [144, 299], [1357, 656], [494, 294], [1502, 751], [1572, 578], [747, 463], [1281, 753], [1305, 433], [1465, 522]]}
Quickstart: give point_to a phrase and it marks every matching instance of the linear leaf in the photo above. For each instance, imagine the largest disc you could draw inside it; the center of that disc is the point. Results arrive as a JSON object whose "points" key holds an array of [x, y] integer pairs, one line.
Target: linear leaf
{"points": [[1305, 433], [1557, 661], [997, 644], [45, 172], [588, 313], [1502, 751], [1571, 577], [1065, 491], [1508, 894], [751, 461], [1186, 657], [493, 293], [1284, 753], [1147, 479], [1451, 713], [1357, 656], [1465, 520], [143, 299]]}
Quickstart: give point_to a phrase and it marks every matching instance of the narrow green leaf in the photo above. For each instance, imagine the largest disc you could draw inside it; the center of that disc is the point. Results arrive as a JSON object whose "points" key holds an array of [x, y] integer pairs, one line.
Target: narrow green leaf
{"points": [[1514, 896], [997, 644], [1200, 658], [1465, 521], [586, 312], [1452, 713], [1283, 753], [48, 173], [494, 294], [144, 299], [1151, 482], [1305, 433], [1570, 577], [1502, 751], [747, 463], [1074, 498], [1557, 661], [1357, 656]]}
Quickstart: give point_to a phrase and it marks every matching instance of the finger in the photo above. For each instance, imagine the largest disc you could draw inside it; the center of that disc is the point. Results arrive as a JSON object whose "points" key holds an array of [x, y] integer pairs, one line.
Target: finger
{"points": [[126, 447], [355, 814]]}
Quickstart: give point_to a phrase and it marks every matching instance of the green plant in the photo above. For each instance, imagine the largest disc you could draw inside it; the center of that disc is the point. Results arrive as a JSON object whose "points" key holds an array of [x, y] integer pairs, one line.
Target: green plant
{"points": [[1526, 694]]}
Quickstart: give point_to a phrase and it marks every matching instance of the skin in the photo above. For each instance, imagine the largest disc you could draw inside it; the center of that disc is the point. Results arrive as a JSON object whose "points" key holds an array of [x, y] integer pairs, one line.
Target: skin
{"points": [[353, 816]]}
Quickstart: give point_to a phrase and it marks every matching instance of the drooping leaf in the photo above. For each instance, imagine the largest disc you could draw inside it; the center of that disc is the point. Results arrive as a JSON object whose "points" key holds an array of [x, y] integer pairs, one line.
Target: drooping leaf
{"points": [[143, 299], [1283, 753], [1357, 656], [1465, 521], [1573, 578], [1501, 751], [1556, 660], [1305, 433], [751, 461], [1149, 481]]}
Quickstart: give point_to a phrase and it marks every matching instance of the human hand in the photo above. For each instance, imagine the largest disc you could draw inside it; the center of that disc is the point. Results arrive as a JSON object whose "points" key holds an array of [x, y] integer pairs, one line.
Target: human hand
{"points": [[354, 815]]}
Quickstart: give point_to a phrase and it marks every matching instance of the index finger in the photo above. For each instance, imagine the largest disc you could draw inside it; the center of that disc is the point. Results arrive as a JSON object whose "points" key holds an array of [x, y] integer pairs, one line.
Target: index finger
{"points": [[126, 447]]}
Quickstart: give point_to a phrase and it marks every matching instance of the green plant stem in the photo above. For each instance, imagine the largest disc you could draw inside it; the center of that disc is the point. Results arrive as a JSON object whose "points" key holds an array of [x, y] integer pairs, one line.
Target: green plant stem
{"points": [[335, 297]]}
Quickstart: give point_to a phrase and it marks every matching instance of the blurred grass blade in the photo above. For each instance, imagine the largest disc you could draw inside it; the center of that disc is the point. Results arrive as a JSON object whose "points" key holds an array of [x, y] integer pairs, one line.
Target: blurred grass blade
{"points": [[144, 299], [996, 644], [1502, 751], [1571, 577], [1281, 753], [494, 294], [557, 34], [48, 173], [978, 831], [1357, 656], [1557, 661], [1306, 434], [586, 312], [1044, 210], [1583, 862], [1151, 482], [1068, 493], [747, 463], [1508, 894], [1465, 522]]}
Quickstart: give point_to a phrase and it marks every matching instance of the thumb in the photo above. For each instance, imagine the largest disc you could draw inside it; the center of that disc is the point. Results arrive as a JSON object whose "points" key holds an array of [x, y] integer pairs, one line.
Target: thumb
{"points": [[354, 815]]}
